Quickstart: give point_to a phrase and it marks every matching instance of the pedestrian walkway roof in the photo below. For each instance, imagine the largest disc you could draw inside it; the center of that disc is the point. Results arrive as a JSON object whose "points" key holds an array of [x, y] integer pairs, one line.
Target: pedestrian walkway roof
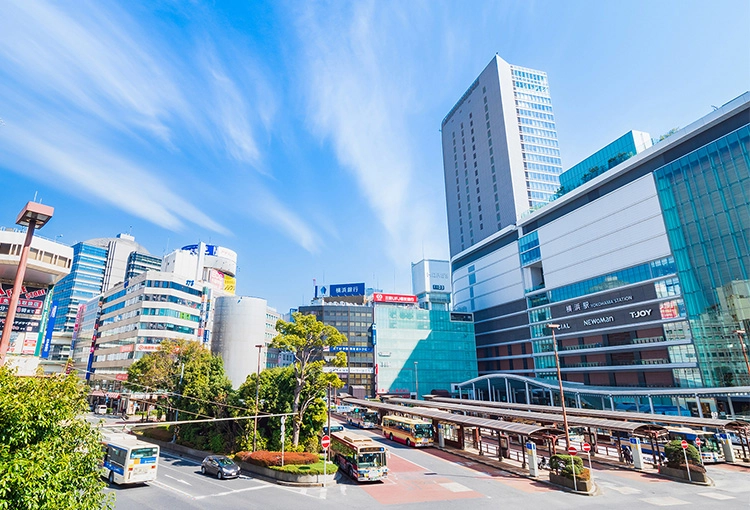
{"points": [[632, 428], [469, 421]]}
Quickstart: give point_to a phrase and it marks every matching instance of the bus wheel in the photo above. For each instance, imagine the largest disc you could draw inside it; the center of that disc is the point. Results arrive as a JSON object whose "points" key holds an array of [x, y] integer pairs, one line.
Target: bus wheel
{"points": [[390, 436], [408, 442], [111, 478]]}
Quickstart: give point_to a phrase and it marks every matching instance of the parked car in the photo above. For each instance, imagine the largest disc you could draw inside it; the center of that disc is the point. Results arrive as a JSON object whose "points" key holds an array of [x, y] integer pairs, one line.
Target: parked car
{"points": [[220, 466], [100, 409]]}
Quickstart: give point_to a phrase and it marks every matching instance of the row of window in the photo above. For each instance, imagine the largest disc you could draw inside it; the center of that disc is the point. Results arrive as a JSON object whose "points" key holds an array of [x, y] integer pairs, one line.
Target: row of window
{"points": [[534, 115]]}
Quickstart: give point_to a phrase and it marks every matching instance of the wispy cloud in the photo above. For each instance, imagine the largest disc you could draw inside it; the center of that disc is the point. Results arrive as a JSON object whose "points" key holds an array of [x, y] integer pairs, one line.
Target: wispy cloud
{"points": [[363, 96], [91, 93]]}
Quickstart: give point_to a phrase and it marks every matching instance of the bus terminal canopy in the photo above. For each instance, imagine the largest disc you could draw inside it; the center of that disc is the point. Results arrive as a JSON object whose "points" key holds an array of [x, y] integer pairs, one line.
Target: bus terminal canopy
{"points": [[469, 421], [626, 416], [630, 427]]}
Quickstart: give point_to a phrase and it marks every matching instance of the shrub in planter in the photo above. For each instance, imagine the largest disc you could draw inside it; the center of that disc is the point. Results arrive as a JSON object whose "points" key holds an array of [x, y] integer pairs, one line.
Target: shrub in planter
{"points": [[562, 466], [268, 459], [676, 457]]}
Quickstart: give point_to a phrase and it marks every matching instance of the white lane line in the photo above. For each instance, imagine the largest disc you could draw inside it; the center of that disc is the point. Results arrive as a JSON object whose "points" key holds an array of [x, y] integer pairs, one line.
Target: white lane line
{"points": [[407, 460], [179, 480], [323, 492], [169, 487], [185, 459], [455, 487], [715, 495], [236, 491]]}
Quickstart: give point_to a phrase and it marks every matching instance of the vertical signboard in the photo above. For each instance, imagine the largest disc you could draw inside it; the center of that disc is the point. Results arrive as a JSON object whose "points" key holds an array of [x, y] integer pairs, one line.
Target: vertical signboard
{"points": [[47, 342]]}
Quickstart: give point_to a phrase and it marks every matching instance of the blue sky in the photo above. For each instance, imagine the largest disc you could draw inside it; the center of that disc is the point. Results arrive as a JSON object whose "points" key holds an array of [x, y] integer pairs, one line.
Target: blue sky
{"points": [[305, 135]]}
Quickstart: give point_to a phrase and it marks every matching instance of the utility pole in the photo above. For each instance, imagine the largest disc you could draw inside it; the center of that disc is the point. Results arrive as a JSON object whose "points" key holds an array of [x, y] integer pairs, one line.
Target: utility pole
{"points": [[257, 395], [553, 327]]}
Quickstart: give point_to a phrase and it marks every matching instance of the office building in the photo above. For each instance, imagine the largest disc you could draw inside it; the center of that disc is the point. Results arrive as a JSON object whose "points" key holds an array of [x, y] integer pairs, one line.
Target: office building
{"points": [[134, 319], [500, 152], [215, 265], [355, 323], [240, 324], [98, 265], [431, 283], [419, 350], [644, 267], [48, 263]]}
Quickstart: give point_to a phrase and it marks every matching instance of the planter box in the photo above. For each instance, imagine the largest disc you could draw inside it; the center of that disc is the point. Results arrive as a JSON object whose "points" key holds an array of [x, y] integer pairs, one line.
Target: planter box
{"points": [[681, 474], [583, 486], [289, 478]]}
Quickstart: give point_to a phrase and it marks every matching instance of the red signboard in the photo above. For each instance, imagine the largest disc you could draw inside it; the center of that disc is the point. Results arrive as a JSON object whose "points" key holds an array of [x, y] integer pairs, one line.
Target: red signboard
{"points": [[586, 447], [572, 450], [379, 297], [698, 441], [684, 444], [325, 442]]}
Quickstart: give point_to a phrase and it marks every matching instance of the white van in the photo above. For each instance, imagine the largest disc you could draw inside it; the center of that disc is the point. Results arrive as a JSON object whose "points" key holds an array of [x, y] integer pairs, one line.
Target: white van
{"points": [[100, 409]]}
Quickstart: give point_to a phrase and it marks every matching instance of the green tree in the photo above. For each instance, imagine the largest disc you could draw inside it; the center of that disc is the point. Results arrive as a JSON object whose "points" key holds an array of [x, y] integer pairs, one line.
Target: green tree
{"points": [[49, 454], [306, 338], [194, 382]]}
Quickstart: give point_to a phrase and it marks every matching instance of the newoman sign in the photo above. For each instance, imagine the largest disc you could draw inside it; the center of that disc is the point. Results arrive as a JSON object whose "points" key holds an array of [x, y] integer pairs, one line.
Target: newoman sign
{"points": [[636, 315]]}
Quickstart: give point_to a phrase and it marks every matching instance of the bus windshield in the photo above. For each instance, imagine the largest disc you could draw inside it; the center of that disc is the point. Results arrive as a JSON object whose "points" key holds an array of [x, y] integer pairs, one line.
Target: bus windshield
{"points": [[139, 453], [422, 430], [370, 460]]}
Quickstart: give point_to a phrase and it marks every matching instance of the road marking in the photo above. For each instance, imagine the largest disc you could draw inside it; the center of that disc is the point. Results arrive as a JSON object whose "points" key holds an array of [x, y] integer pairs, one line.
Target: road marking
{"points": [[323, 492], [178, 480], [665, 501], [455, 487], [622, 489], [715, 495], [185, 459], [233, 492], [169, 487], [411, 461]]}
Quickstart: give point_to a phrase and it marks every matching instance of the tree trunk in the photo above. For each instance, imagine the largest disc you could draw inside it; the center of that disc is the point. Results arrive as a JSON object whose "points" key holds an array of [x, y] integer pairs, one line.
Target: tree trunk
{"points": [[297, 423]]}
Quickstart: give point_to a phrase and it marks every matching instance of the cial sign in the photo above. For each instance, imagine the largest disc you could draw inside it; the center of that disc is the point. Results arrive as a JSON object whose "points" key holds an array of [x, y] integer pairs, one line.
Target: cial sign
{"points": [[684, 444], [347, 289], [325, 442], [379, 297], [586, 447], [698, 441], [572, 450]]}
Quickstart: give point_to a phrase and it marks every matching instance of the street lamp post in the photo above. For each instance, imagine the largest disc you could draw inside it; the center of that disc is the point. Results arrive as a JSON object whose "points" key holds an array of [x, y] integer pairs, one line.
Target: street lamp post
{"points": [[416, 379], [32, 216], [257, 395], [740, 333], [553, 327]]}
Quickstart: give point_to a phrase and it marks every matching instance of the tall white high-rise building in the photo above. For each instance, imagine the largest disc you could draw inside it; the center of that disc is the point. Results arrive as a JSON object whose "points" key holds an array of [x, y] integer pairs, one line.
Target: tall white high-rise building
{"points": [[500, 152]]}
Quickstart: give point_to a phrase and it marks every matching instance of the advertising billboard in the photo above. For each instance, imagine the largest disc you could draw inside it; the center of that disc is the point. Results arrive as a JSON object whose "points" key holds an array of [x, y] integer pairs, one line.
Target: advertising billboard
{"points": [[29, 309], [347, 289], [379, 297]]}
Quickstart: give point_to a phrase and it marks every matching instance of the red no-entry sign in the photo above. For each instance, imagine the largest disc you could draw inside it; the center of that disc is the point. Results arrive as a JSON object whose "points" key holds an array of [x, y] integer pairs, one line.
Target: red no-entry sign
{"points": [[325, 442], [586, 447], [698, 441], [684, 444], [572, 450]]}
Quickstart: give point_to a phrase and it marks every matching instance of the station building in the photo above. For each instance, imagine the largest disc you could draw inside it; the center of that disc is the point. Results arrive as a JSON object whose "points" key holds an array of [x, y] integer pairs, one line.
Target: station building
{"points": [[645, 267]]}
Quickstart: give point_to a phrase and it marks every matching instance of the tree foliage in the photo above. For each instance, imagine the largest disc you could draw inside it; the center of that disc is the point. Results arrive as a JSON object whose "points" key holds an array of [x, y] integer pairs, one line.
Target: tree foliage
{"points": [[194, 383], [49, 455], [307, 338], [675, 455]]}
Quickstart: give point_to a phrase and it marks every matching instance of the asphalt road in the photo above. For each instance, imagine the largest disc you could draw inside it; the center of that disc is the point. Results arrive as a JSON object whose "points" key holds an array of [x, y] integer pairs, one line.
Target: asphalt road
{"points": [[431, 479]]}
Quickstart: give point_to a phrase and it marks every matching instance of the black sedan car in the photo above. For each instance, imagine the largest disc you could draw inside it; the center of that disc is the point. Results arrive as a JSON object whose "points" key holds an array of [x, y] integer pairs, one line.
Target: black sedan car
{"points": [[221, 466]]}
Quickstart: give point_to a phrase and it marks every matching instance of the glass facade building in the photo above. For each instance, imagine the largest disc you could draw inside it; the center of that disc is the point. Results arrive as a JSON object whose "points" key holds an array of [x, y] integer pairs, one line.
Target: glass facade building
{"points": [[83, 283], [139, 263], [536, 125], [431, 349], [627, 146], [705, 196]]}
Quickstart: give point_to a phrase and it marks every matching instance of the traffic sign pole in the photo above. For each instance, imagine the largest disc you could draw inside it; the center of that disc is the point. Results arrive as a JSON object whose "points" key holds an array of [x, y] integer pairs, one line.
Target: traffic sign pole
{"points": [[684, 445], [587, 448], [325, 442], [698, 444], [572, 451]]}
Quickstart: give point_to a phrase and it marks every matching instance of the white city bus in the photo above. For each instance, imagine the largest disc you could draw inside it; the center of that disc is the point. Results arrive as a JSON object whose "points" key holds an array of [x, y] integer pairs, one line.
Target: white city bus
{"points": [[128, 459]]}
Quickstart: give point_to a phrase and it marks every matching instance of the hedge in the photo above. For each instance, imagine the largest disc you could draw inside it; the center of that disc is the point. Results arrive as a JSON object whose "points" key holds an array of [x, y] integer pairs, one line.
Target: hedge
{"points": [[561, 465], [269, 459]]}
